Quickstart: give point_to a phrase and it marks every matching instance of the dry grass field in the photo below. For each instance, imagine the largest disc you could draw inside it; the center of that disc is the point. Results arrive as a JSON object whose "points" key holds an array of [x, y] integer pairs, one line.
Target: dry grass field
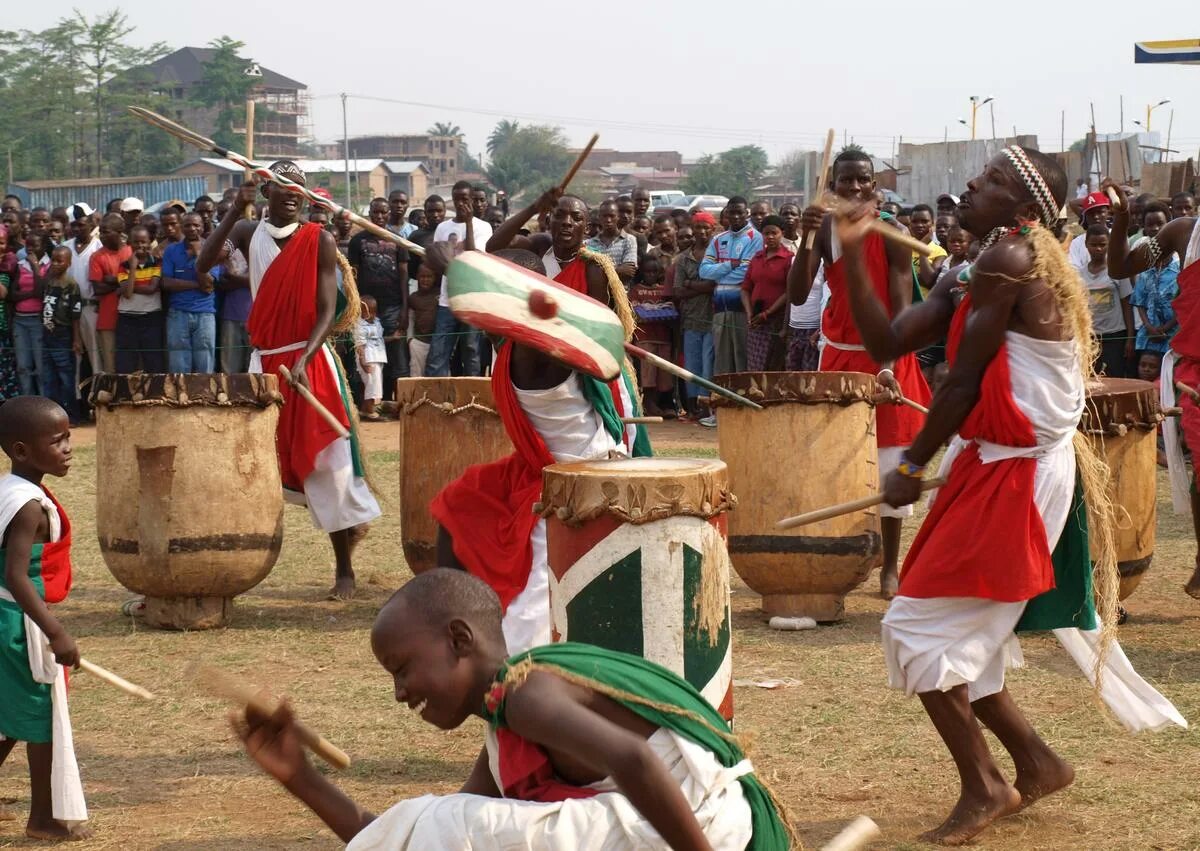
{"points": [[835, 742]]}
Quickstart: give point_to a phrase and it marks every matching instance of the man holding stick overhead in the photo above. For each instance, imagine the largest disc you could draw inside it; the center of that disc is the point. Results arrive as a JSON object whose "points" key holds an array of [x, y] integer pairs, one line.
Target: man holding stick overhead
{"points": [[1005, 545], [889, 267], [296, 304]]}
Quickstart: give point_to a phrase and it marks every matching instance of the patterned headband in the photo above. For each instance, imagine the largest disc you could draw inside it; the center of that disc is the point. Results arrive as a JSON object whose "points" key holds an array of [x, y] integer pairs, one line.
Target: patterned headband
{"points": [[1035, 184], [288, 169]]}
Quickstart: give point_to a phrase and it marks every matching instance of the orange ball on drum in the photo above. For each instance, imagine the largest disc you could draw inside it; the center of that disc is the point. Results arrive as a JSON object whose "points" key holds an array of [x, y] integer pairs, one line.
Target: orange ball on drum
{"points": [[542, 305]]}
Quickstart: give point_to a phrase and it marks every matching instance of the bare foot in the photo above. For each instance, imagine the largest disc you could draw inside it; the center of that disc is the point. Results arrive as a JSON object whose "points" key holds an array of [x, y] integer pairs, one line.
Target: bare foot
{"points": [[889, 583], [1192, 589], [343, 588], [56, 831], [972, 814], [1044, 779]]}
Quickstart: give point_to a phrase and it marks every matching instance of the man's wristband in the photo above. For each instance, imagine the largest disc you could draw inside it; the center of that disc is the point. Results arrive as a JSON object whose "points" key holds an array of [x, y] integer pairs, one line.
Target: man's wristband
{"points": [[910, 470]]}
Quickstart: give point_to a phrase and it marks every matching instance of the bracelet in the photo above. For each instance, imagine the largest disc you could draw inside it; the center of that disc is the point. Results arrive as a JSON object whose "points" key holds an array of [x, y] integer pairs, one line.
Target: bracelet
{"points": [[910, 470], [879, 375]]}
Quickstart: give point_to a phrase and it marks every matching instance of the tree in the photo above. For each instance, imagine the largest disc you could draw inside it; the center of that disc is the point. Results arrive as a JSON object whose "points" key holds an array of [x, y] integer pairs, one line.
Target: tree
{"points": [[533, 160], [733, 172], [501, 135], [791, 168], [442, 128], [225, 85]]}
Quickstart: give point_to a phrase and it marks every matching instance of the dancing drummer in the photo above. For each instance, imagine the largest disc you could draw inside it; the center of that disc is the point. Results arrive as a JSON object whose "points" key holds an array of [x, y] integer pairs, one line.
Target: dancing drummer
{"points": [[889, 267], [294, 286], [1180, 236], [1004, 547]]}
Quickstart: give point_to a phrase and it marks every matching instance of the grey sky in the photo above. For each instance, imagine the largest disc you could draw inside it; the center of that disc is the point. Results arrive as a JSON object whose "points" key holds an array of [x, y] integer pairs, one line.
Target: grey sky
{"points": [[703, 76]]}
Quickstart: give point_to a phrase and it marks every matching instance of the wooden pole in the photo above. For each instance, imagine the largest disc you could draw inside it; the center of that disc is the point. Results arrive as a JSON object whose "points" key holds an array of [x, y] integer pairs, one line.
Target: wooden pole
{"points": [[823, 178], [578, 164], [307, 395], [248, 213], [1162, 155], [846, 507], [861, 831]]}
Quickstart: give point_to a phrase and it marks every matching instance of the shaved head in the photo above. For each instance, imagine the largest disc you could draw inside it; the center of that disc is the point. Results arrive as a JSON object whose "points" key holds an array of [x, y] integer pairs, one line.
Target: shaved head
{"points": [[23, 418], [437, 597]]}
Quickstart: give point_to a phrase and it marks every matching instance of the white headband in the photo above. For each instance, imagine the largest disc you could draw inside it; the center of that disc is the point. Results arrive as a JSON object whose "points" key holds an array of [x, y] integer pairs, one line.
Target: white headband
{"points": [[1036, 185]]}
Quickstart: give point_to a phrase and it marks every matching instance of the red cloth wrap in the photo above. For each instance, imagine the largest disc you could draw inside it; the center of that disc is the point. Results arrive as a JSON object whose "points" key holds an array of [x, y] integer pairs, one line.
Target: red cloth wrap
{"points": [[56, 559], [1186, 344], [574, 275], [984, 536], [895, 425], [488, 510], [526, 773], [284, 312]]}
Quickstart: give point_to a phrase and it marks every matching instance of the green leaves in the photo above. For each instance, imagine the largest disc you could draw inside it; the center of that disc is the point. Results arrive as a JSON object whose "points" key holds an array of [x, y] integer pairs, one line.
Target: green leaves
{"points": [[529, 160], [733, 172]]}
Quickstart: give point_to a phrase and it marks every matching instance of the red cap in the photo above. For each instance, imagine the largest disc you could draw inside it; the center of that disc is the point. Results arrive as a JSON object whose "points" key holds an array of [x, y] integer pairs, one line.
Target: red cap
{"points": [[704, 217], [1094, 200], [323, 192]]}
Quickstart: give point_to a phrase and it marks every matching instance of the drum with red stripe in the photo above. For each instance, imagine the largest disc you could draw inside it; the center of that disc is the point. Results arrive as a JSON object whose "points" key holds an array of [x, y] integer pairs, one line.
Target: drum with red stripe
{"points": [[638, 563]]}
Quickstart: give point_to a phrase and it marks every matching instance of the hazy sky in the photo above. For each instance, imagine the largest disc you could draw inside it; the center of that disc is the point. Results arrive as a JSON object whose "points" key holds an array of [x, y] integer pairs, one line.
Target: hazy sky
{"points": [[702, 76]]}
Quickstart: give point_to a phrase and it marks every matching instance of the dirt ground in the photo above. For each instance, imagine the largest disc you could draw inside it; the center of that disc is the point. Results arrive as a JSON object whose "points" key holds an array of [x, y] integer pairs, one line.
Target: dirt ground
{"points": [[834, 742]]}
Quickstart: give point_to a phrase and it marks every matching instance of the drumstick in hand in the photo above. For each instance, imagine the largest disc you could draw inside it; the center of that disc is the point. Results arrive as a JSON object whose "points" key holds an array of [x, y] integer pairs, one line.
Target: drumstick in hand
{"points": [[113, 680], [826, 160], [1188, 391], [578, 164], [307, 395], [846, 507]]}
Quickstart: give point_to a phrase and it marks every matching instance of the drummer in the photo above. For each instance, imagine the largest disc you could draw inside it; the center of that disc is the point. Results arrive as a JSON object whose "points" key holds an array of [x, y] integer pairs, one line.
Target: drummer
{"points": [[552, 415], [294, 287], [889, 268]]}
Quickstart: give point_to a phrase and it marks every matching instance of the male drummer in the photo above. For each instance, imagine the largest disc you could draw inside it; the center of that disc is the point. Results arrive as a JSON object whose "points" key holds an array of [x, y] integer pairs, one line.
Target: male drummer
{"points": [[552, 414], [1180, 236], [890, 269], [294, 286]]}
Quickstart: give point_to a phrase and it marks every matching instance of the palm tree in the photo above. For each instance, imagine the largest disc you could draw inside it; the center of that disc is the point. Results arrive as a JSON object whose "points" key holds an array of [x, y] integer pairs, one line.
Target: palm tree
{"points": [[501, 135], [441, 128]]}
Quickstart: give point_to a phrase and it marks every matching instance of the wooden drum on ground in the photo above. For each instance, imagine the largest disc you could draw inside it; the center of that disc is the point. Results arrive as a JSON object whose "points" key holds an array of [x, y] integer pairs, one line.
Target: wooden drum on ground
{"points": [[638, 563], [1121, 418], [446, 425], [189, 507], [812, 445]]}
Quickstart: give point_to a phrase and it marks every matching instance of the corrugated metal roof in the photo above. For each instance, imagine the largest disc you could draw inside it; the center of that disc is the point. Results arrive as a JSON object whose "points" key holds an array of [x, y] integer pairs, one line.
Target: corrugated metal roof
{"points": [[99, 191], [338, 166], [404, 166]]}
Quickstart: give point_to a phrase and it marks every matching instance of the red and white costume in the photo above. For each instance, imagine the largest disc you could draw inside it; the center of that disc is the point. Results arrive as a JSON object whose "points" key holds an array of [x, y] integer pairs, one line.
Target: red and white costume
{"points": [[984, 551], [842, 350], [1182, 363], [316, 465]]}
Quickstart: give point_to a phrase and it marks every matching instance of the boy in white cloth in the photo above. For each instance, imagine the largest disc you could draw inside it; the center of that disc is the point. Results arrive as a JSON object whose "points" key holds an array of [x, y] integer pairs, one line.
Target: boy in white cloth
{"points": [[34, 645], [569, 762], [372, 357], [989, 555]]}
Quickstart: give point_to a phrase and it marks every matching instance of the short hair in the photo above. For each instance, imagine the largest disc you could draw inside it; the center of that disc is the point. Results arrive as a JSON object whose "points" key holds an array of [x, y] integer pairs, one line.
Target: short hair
{"points": [[853, 155], [375, 201], [772, 221], [791, 204], [1097, 230], [479, 187], [662, 218], [736, 199], [202, 199], [365, 298], [642, 190], [114, 221], [523, 258], [20, 415], [462, 184], [108, 208], [396, 192], [443, 594], [137, 228], [414, 214], [1185, 196], [621, 198], [434, 199], [1157, 207], [607, 202], [760, 201], [921, 208]]}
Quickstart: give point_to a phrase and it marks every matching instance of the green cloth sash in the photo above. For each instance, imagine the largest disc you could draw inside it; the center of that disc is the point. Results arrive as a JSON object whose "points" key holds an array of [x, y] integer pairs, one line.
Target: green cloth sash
{"points": [[25, 705], [1071, 603], [608, 671], [597, 392]]}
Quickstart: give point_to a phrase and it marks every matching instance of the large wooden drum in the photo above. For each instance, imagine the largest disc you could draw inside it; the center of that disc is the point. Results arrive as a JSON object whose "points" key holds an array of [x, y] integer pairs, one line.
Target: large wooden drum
{"points": [[812, 445], [446, 425], [189, 507], [638, 563], [1121, 418]]}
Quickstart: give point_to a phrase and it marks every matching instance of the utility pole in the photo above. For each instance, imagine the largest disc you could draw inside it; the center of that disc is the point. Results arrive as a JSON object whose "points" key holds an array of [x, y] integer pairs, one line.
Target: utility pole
{"points": [[1122, 114], [1062, 145], [992, 108], [1162, 156], [346, 153]]}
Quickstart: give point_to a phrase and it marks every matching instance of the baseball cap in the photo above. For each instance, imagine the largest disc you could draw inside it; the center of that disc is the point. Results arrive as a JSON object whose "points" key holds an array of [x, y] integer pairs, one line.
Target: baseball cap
{"points": [[323, 192], [131, 204], [953, 198], [1094, 200], [80, 209], [181, 206]]}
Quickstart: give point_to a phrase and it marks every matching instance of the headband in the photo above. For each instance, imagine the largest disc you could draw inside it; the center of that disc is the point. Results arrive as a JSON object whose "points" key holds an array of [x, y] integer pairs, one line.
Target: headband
{"points": [[288, 169], [1035, 183]]}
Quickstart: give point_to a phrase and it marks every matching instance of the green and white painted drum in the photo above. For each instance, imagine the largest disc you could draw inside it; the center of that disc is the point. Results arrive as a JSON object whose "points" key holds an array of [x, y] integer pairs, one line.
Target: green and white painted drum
{"points": [[638, 563], [503, 298]]}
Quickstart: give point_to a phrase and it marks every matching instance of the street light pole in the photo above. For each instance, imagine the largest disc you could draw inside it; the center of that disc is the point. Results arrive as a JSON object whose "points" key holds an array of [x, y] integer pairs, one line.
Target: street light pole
{"points": [[975, 104], [1150, 108]]}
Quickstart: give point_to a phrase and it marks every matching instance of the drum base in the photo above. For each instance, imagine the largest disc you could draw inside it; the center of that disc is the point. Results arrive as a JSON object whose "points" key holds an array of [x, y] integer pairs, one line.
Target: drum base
{"points": [[1131, 574], [823, 608], [188, 612], [420, 556]]}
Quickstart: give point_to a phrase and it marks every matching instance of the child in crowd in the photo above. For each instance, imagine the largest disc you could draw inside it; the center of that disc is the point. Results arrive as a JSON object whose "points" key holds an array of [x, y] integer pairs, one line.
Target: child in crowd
{"points": [[657, 319], [1112, 315], [1150, 369], [62, 307], [585, 747], [27, 304], [103, 271], [139, 308], [422, 308], [1155, 289], [372, 357], [34, 645]]}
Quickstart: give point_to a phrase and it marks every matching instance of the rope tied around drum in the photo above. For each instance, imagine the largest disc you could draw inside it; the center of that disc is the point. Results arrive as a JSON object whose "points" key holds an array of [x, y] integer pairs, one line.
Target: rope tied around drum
{"points": [[447, 408]]}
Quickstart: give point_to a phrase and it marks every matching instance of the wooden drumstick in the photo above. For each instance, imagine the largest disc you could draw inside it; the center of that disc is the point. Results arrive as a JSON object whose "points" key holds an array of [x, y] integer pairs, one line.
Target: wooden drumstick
{"points": [[640, 420], [224, 684], [854, 835], [846, 507], [899, 237], [307, 395], [113, 680], [578, 164], [1188, 391], [916, 406], [826, 160], [1115, 198]]}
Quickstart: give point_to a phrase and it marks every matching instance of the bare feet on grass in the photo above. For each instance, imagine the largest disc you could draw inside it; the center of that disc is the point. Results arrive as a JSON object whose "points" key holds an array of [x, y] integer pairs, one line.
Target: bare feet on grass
{"points": [[343, 588], [56, 831], [1045, 778], [1192, 589], [974, 811], [889, 582]]}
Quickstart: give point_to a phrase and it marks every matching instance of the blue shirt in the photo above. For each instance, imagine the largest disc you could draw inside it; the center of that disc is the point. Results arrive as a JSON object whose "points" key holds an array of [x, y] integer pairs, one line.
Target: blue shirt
{"points": [[177, 264], [716, 266], [1154, 291]]}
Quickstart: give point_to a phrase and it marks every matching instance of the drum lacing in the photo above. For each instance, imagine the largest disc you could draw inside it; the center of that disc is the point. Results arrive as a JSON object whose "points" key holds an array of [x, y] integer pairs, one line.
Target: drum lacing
{"points": [[447, 408]]}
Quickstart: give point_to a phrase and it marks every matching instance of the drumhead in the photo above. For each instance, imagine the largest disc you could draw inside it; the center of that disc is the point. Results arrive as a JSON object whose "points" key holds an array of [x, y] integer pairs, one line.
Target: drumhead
{"points": [[807, 388], [186, 390], [1120, 402]]}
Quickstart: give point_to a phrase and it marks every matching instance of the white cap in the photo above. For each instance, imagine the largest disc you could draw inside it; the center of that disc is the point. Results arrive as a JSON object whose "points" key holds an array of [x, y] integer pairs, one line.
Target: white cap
{"points": [[80, 209], [131, 205]]}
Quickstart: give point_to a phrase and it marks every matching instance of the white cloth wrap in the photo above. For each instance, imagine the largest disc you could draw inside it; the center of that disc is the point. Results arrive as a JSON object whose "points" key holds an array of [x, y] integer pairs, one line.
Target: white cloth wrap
{"points": [[604, 822], [935, 644], [66, 787]]}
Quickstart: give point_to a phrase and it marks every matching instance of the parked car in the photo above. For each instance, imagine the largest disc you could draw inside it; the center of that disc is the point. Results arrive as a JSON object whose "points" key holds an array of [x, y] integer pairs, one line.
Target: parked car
{"points": [[709, 203], [664, 200]]}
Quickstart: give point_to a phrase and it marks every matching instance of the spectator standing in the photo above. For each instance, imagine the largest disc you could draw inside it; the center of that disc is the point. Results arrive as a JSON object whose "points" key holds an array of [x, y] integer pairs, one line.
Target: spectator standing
{"points": [[1183, 205], [725, 263], [759, 211], [26, 296], [804, 329], [397, 208], [139, 309], [191, 316], [449, 334], [83, 245], [205, 208], [234, 284], [621, 247], [626, 213], [479, 202], [657, 318], [1094, 211], [9, 386], [434, 214], [103, 271], [641, 202], [131, 211], [925, 268], [423, 305], [764, 298], [1112, 315], [696, 313], [789, 213], [1156, 288], [341, 231], [61, 311], [381, 269], [371, 355], [169, 231]]}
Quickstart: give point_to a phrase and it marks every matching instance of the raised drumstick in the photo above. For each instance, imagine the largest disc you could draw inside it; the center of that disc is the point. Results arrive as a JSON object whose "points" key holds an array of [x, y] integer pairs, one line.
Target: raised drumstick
{"points": [[916, 406], [578, 164], [307, 395], [846, 507], [1115, 198], [113, 680], [224, 684], [641, 420], [826, 160]]}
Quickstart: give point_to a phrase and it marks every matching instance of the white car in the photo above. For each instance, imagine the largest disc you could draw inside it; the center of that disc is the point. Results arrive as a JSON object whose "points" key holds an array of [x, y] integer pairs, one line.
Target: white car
{"points": [[666, 199], [709, 203]]}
